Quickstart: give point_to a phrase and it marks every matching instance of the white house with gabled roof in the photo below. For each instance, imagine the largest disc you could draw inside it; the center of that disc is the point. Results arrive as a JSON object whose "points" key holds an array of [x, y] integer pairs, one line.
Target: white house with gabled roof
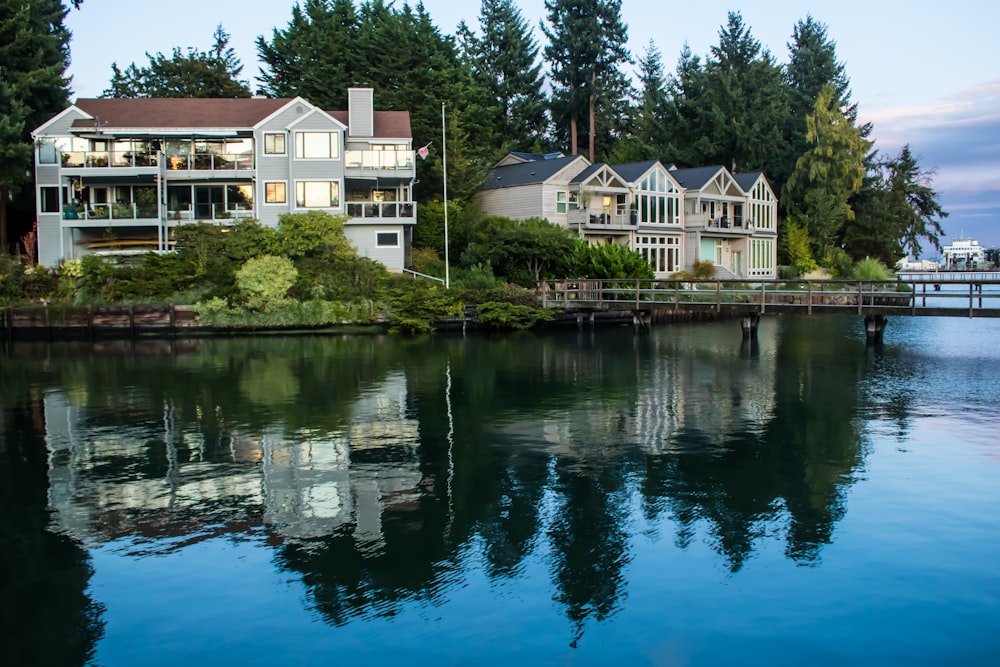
{"points": [[673, 217], [118, 175]]}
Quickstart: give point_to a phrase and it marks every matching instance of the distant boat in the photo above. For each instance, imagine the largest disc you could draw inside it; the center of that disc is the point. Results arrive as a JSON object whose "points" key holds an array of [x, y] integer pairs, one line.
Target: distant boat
{"points": [[963, 254]]}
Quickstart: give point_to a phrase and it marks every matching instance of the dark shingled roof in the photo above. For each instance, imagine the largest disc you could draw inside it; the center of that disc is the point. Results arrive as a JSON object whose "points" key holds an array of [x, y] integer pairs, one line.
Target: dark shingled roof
{"points": [[526, 173], [587, 173], [696, 178], [747, 179], [536, 157], [231, 113], [633, 171]]}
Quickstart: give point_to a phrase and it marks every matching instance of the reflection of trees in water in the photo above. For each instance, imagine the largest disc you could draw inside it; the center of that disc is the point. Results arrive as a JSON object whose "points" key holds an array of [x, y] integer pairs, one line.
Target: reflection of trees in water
{"points": [[550, 439], [46, 616], [589, 543], [347, 580]]}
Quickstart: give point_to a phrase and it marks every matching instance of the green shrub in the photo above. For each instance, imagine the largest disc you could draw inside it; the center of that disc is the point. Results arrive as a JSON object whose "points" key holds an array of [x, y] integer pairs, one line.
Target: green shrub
{"points": [[839, 263], [264, 281], [703, 268], [415, 305], [218, 312], [872, 269], [502, 315]]}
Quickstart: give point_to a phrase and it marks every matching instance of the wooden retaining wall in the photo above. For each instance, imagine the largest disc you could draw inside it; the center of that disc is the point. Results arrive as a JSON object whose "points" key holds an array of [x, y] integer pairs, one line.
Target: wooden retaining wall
{"points": [[98, 322]]}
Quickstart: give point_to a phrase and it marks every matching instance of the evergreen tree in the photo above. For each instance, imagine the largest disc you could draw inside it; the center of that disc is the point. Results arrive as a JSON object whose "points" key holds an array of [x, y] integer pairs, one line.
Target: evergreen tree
{"points": [[828, 174], [812, 65], [504, 61], [586, 52], [399, 53], [315, 56], [212, 73], [34, 54], [897, 208], [693, 123], [745, 88], [649, 136]]}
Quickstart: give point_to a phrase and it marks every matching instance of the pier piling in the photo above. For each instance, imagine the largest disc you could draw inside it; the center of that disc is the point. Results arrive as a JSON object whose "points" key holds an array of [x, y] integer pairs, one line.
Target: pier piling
{"points": [[749, 324], [875, 328]]}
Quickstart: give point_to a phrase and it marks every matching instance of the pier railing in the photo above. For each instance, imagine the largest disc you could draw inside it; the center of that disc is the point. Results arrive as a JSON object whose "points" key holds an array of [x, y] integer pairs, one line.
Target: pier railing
{"points": [[972, 298]]}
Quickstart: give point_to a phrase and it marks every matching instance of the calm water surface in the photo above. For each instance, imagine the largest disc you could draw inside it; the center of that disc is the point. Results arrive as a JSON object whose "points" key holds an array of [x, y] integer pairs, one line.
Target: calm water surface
{"points": [[680, 498]]}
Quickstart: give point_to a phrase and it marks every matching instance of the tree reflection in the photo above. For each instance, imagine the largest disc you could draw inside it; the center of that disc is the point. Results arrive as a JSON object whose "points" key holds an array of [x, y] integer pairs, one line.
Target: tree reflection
{"points": [[46, 616], [378, 465]]}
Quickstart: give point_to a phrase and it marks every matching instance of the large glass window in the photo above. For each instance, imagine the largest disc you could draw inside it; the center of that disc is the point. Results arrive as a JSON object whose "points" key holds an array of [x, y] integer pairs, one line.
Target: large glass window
{"points": [[317, 145], [317, 194], [274, 144]]}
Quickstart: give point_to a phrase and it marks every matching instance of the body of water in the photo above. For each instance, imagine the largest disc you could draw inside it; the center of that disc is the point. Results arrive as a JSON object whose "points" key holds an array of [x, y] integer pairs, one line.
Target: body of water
{"points": [[577, 497]]}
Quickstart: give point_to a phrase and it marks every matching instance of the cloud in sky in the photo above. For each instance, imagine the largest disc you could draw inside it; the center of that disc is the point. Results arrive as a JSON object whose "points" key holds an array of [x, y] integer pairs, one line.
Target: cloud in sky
{"points": [[959, 138]]}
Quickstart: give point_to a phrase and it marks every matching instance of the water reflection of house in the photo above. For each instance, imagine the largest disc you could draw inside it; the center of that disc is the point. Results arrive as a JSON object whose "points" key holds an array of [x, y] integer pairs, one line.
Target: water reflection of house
{"points": [[156, 476], [683, 386]]}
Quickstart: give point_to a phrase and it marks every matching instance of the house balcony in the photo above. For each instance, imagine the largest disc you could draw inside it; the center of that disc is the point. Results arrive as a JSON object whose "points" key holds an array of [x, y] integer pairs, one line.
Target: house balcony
{"points": [[372, 212], [124, 215], [379, 164], [91, 161], [602, 221], [125, 163], [724, 224], [205, 164]]}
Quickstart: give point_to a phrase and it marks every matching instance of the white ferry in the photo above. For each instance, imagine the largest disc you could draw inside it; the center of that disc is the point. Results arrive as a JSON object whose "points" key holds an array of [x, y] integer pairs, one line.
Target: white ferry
{"points": [[963, 254]]}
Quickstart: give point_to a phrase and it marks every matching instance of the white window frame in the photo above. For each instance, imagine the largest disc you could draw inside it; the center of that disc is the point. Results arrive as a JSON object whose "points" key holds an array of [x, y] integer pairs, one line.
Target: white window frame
{"points": [[384, 245], [284, 202], [300, 146], [284, 143], [333, 205]]}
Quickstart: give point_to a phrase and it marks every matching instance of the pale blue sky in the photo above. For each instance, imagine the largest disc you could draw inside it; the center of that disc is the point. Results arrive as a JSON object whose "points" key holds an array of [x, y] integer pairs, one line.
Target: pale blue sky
{"points": [[926, 73]]}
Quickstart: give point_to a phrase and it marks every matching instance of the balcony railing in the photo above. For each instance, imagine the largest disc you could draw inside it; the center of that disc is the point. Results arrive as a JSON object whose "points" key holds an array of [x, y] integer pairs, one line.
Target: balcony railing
{"points": [[393, 160], [395, 209], [601, 219], [209, 162], [102, 159], [126, 212], [209, 213], [111, 212]]}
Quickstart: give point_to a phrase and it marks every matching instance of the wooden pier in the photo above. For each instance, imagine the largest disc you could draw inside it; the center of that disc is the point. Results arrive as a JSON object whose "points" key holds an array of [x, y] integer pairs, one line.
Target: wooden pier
{"points": [[874, 300]]}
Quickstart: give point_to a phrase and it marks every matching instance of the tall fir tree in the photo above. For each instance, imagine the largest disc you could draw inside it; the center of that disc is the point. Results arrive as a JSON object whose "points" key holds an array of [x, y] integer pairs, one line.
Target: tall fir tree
{"points": [[650, 127], [897, 211], [812, 65], [399, 53], [586, 53], [692, 122], [313, 56], [504, 61], [828, 175], [745, 87], [34, 55], [212, 73]]}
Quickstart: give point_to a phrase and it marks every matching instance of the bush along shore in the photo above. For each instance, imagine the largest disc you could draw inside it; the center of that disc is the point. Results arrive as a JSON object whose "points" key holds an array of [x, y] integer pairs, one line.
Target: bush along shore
{"points": [[304, 276], [301, 276]]}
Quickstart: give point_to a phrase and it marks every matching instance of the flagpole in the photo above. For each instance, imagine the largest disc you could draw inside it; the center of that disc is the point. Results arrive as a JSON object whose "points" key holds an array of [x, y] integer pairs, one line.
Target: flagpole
{"points": [[444, 159]]}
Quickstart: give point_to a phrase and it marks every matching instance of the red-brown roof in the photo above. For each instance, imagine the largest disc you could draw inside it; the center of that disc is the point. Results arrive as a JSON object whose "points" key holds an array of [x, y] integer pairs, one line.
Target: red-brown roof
{"points": [[202, 113], [388, 124], [244, 112]]}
